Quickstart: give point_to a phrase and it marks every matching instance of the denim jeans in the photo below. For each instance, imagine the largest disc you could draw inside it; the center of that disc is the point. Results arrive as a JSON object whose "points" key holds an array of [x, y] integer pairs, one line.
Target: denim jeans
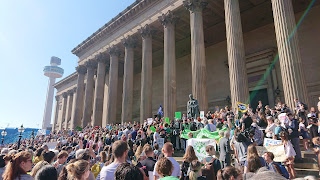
{"points": [[296, 147]]}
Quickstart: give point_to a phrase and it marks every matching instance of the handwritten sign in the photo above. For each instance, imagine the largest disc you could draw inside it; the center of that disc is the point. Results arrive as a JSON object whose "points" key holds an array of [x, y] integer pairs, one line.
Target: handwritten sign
{"points": [[201, 114], [268, 142], [278, 152], [149, 121], [160, 142]]}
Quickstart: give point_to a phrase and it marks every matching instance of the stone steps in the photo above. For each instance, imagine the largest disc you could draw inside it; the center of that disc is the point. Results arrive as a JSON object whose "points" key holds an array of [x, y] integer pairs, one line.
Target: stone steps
{"points": [[301, 172]]}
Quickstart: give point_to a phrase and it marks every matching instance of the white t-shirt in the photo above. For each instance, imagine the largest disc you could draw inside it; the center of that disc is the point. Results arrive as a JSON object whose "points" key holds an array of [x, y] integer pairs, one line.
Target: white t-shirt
{"points": [[176, 168], [107, 172], [154, 137]]}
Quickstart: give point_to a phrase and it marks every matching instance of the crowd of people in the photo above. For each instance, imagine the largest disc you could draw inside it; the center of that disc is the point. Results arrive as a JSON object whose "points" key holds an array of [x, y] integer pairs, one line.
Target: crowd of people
{"points": [[136, 151]]}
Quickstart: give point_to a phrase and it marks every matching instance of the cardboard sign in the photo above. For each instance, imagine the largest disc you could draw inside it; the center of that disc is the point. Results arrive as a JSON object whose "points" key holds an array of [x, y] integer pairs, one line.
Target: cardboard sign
{"points": [[160, 142], [149, 121], [278, 152], [199, 146], [201, 114], [178, 115], [268, 142], [167, 120]]}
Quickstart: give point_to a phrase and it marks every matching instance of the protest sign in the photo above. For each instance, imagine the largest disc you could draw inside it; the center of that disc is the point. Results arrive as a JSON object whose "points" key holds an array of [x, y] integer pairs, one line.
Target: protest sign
{"points": [[278, 152], [153, 129], [201, 114], [199, 146], [202, 134], [167, 120], [149, 121], [160, 142], [268, 142], [178, 115]]}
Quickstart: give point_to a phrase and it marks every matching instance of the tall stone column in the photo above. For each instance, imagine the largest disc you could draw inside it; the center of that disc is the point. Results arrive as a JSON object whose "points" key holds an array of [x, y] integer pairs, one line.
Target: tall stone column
{"points": [[198, 57], [68, 109], [168, 21], [113, 84], [98, 94], [127, 95], [294, 85], [105, 98], [56, 113], [63, 110], [78, 105], [91, 65], [236, 54], [146, 74]]}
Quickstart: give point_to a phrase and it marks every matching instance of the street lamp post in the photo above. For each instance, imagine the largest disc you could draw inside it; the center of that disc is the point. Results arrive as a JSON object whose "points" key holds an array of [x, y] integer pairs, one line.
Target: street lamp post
{"points": [[20, 130], [3, 134], [32, 135]]}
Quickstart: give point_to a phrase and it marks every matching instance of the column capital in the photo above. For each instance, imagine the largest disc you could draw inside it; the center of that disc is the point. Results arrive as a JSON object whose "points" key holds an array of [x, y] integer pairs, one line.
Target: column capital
{"points": [[70, 92], [65, 94], [102, 58], [57, 97], [195, 5], [129, 42], [146, 31], [168, 19], [91, 64], [113, 51], [74, 89], [81, 69]]}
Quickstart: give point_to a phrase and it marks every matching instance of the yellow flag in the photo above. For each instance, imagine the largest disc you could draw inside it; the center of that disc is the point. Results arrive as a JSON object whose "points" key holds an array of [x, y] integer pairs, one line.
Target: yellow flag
{"points": [[242, 107]]}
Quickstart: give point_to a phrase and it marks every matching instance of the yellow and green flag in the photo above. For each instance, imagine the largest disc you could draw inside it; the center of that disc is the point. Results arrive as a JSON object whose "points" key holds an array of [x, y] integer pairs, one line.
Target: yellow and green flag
{"points": [[242, 107]]}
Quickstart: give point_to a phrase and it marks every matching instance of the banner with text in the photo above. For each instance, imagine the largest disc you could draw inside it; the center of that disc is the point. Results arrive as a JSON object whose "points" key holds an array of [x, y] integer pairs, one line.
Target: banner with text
{"points": [[199, 146], [202, 134]]}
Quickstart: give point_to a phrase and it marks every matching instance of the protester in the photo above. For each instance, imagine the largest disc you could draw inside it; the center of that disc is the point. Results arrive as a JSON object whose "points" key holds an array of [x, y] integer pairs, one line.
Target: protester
{"points": [[119, 151], [78, 170], [316, 149], [290, 154], [149, 162], [127, 171], [229, 173], [17, 168], [164, 169], [275, 167], [37, 167], [188, 157], [252, 154], [225, 151], [168, 151], [47, 172], [211, 158], [195, 171]]}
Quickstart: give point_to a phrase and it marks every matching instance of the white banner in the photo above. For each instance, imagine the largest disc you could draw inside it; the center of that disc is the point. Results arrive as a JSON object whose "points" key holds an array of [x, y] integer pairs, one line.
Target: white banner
{"points": [[268, 142], [199, 146]]}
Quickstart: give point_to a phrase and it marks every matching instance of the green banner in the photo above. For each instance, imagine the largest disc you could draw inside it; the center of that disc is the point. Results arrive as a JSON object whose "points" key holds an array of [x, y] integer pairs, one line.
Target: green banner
{"points": [[202, 134], [178, 115]]}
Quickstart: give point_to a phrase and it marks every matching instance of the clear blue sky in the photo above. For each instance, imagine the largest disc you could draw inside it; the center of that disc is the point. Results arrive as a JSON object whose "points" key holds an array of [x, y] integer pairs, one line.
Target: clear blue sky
{"points": [[31, 31]]}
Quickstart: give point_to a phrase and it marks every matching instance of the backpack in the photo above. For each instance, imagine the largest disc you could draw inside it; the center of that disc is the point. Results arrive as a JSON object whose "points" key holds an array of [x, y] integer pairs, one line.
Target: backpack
{"points": [[208, 170], [281, 170], [193, 126]]}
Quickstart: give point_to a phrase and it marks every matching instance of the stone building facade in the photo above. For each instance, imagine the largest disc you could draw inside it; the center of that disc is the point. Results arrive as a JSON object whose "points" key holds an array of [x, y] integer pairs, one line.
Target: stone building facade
{"points": [[157, 52]]}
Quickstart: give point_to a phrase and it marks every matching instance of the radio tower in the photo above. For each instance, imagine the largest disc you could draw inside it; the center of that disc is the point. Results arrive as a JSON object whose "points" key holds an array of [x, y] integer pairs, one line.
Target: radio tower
{"points": [[52, 72]]}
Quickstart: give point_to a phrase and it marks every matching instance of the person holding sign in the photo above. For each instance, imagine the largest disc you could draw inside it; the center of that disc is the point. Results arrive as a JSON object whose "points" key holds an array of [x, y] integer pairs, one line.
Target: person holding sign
{"points": [[290, 153]]}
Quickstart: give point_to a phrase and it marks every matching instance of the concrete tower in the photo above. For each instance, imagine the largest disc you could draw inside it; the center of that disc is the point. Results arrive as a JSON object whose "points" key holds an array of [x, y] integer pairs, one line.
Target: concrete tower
{"points": [[52, 72]]}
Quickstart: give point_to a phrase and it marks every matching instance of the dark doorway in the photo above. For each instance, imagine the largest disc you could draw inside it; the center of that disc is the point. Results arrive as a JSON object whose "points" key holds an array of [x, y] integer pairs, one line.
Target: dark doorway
{"points": [[256, 96]]}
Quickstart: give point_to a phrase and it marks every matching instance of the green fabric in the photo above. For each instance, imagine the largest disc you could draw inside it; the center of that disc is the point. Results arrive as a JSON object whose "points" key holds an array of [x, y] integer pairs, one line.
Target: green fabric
{"points": [[78, 128], [202, 134], [153, 129], [169, 178], [186, 126]]}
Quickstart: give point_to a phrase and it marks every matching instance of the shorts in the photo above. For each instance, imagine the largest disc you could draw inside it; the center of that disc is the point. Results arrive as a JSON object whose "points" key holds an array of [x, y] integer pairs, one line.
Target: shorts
{"points": [[305, 135]]}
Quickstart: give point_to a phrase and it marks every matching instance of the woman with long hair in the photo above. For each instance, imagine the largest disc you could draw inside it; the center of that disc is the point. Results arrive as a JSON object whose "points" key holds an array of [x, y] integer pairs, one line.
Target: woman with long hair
{"points": [[37, 167], [18, 167], [290, 154], [38, 156], [188, 157], [78, 170], [253, 153], [229, 173], [195, 171], [262, 120], [103, 156]]}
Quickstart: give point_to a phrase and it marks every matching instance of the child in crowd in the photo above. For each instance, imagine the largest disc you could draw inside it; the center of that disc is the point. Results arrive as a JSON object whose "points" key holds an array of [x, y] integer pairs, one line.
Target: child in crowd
{"points": [[304, 133]]}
